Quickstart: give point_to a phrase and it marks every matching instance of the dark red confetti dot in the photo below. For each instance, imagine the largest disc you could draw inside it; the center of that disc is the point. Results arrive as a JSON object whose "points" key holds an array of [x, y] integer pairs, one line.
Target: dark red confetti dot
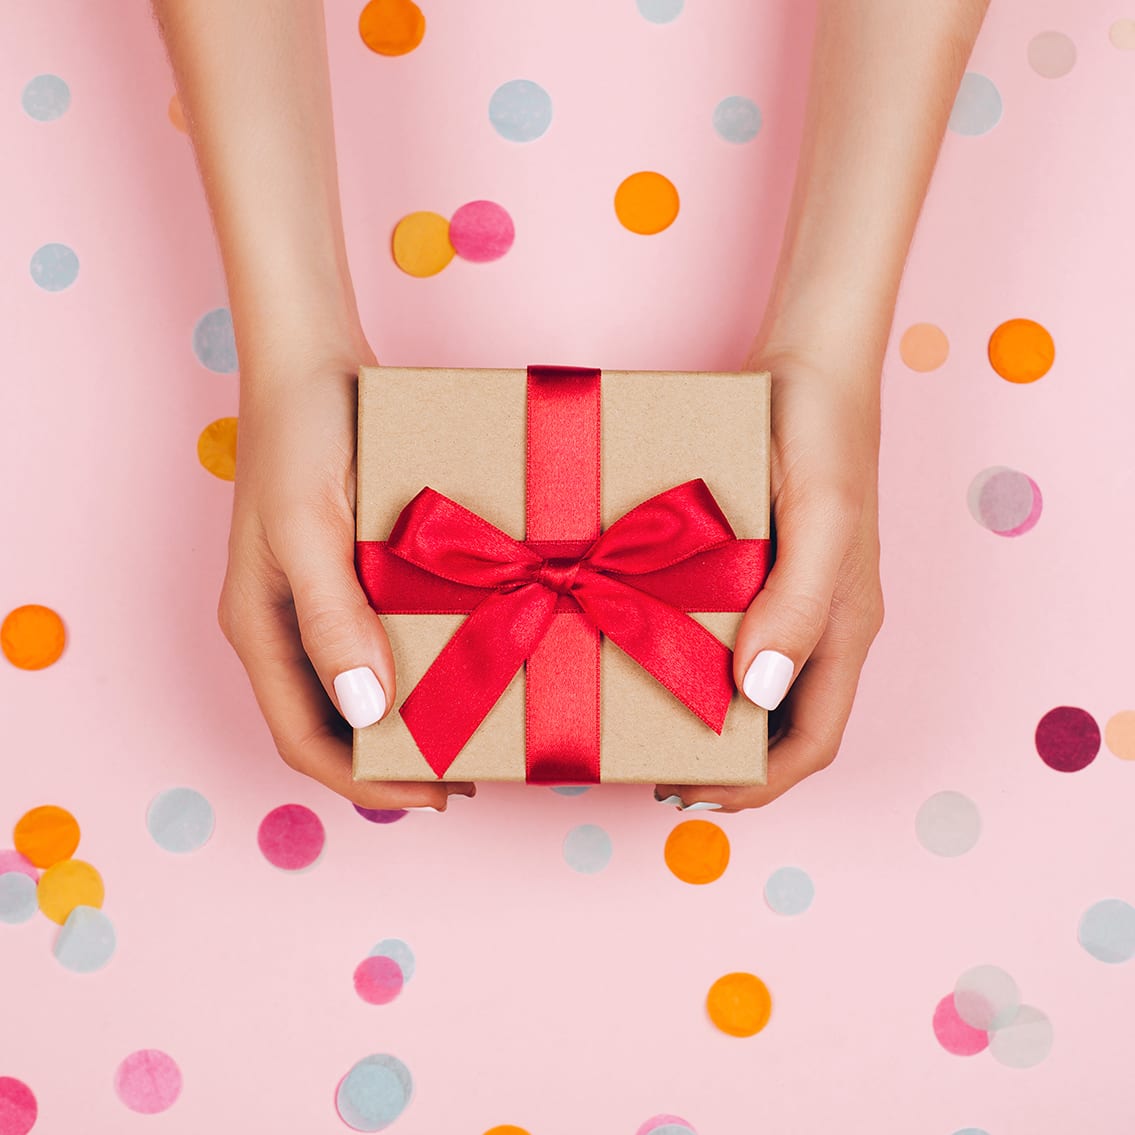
{"points": [[1067, 738]]}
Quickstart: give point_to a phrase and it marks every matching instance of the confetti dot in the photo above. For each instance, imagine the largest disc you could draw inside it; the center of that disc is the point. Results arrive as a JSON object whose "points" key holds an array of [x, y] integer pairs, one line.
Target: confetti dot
{"points": [[421, 244], [666, 1125], [66, 885], [14, 861], [392, 27], [1051, 54], [789, 890], [697, 851], [46, 835], [571, 789], [401, 953], [1067, 738], [374, 1092], [291, 837], [506, 1129], [737, 119], [924, 347], [32, 637], [1122, 34], [18, 900], [86, 942], [381, 815], [646, 203], [953, 1034], [977, 106], [214, 341], [176, 114], [587, 848], [18, 1107], [481, 231], [971, 1131], [54, 267], [660, 11], [948, 824], [1118, 735], [216, 448], [739, 1004], [378, 979], [1025, 1041], [1005, 501], [1107, 931], [180, 820], [46, 98], [148, 1081], [1021, 350], [986, 997], [520, 110]]}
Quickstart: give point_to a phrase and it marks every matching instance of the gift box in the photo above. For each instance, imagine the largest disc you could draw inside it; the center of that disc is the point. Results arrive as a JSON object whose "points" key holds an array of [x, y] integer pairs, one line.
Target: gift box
{"points": [[561, 558]]}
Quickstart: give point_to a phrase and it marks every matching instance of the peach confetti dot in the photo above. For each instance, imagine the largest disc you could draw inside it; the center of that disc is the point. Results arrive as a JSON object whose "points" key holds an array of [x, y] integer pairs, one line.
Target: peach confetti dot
{"points": [[739, 1004], [924, 346], [1021, 350], [392, 27], [1122, 34], [646, 203], [216, 448], [176, 115], [421, 244], [32, 637], [66, 885], [46, 835], [697, 851], [1119, 734]]}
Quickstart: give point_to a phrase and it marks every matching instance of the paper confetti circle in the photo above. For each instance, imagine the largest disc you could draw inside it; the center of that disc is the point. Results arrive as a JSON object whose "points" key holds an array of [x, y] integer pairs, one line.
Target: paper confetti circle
{"points": [[378, 979], [54, 267], [789, 890], [697, 851], [1107, 931], [737, 119], [18, 900], [924, 347], [646, 203], [587, 848], [977, 105], [18, 1107], [948, 824], [214, 341], [506, 1129], [953, 1034], [374, 1092], [739, 1004], [1067, 738], [1051, 54], [291, 837], [14, 861], [148, 1081], [216, 448], [481, 231], [66, 885], [1025, 1041], [570, 789], [666, 1125], [401, 953], [1021, 350], [520, 110], [1122, 34], [660, 11], [1118, 734], [86, 942], [45, 98], [381, 815], [392, 27], [421, 244], [1005, 501], [180, 820], [46, 835], [986, 997], [32, 637]]}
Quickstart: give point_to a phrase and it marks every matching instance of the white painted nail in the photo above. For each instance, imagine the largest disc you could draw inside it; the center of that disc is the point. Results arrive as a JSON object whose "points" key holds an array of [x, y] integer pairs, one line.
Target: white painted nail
{"points": [[422, 808], [699, 806], [766, 680], [671, 800], [361, 697]]}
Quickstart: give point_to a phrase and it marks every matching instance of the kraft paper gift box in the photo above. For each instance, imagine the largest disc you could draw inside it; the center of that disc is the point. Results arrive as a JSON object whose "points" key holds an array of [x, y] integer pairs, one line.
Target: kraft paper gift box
{"points": [[488, 508]]}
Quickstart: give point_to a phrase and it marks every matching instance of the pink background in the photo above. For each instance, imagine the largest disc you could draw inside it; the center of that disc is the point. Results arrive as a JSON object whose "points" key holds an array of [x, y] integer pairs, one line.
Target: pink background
{"points": [[558, 1001]]}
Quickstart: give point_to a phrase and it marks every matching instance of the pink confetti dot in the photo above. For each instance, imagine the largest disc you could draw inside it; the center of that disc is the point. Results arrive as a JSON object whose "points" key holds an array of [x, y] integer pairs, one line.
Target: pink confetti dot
{"points": [[18, 1109], [148, 1081], [481, 231], [953, 1034], [1067, 738], [14, 861], [656, 1121], [378, 979], [291, 837]]}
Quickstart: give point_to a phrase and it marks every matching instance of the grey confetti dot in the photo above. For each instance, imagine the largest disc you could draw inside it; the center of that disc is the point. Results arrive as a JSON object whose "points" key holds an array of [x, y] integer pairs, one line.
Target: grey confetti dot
{"points": [[660, 11], [374, 1092], [401, 953], [986, 997], [1107, 931], [948, 823], [571, 789], [86, 942], [214, 342], [18, 898], [1025, 1041], [180, 820], [46, 98], [737, 119], [977, 106], [54, 267], [587, 848], [520, 110], [789, 890]]}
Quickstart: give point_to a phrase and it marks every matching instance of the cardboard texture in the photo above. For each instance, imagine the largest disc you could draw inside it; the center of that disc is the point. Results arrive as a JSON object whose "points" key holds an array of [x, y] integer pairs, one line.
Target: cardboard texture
{"points": [[462, 433]]}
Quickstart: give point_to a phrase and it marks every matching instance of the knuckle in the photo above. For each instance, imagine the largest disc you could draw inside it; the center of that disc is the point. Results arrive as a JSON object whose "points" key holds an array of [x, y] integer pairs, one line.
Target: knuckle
{"points": [[807, 613], [326, 630]]}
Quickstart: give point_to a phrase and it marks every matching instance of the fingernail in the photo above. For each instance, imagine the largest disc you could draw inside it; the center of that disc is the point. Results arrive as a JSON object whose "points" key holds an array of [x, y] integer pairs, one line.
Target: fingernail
{"points": [[668, 799], [422, 808], [361, 697], [766, 680], [699, 805]]}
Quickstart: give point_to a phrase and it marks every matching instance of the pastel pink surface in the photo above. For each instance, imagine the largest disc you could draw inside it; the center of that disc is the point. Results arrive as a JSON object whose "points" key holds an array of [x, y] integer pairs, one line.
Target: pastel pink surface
{"points": [[481, 230], [291, 837], [18, 1108], [148, 1081], [378, 979], [14, 861], [953, 1034]]}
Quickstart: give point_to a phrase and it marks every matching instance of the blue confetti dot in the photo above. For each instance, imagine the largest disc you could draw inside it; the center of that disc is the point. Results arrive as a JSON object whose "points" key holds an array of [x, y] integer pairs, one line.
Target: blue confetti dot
{"points": [[214, 342], [54, 267], [660, 11], [520, 110], [971, 1131], [977, 105], [737, 119], [374, 1092], [587, 848], [671, 1129], [180, 820], [1107, 931], [401, 953], [46, 97], [86, 942], [18, 899], [789, 890], [571, 789]]}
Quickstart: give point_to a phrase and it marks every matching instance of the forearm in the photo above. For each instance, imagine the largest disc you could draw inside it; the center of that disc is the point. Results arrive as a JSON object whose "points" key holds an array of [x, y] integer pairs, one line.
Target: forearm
{"points": [[884, 77], [254, 85]]}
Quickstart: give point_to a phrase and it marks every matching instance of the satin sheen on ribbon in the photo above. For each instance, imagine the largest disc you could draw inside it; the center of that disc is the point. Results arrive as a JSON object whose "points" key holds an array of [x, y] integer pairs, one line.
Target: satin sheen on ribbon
{"points": [[544, 602]]}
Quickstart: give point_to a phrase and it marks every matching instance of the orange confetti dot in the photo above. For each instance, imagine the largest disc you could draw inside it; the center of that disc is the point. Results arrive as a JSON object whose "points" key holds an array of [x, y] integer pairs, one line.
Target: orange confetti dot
{"points": [[421, 244], [216, 448], [1021, 350], [66, 885], [392, 27], [646, 203], [924, 347], [176, 115], [46, 835], [697, 851], [739, 1004], [506, 1129], [32, 637], [1119, 735]]}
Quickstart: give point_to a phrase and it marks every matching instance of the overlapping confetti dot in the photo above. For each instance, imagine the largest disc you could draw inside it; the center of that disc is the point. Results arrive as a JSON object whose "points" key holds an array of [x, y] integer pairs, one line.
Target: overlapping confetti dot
{"points": [[18, 1107], [378, 979], [481, 231], [374, 1093], [924, 347], [148, 1081], [1005, 501], [87, 941], [216, 448], [66, 885], [954, 1034], [18, 901], [739, 1004], [421, 244], [32, 637], [1024, 1041], [986, 997], [666, 1125], [1067, 738], [11, 860], [697, 851], [291, 837], [646, 202], [46, 835], [1021, 350], [977, 106], [392, 27], [400, 952]]}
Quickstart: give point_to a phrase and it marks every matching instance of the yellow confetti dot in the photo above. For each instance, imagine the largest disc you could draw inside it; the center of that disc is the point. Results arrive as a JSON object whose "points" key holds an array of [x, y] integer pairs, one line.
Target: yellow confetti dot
{"points": [[176, 115], [924, 347], [1119, 734], [421, 244], [1021, 350], [739, 1004], [32, 637], [66, 885], [216, 448], [697, 851], [46, 835], [646, 203], [392, 27]]}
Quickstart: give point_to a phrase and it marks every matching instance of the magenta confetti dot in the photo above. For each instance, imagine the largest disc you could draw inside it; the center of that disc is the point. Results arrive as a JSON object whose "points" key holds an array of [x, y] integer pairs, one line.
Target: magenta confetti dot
{"points": [[1067, 738], [14, 861], [380, 815], [291, 837], [658, 1123], [481, 231], [378, 979], [18, 1109], [148, 1081], [953, 1034]]}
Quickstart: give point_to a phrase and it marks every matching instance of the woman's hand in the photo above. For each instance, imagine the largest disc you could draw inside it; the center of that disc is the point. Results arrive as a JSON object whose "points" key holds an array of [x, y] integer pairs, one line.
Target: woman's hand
{"points": [[291, 604], [821, 607]]}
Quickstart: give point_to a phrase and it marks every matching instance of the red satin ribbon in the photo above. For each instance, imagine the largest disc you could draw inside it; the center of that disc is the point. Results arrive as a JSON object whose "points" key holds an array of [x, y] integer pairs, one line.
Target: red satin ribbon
{"points": [[544, 602]]}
